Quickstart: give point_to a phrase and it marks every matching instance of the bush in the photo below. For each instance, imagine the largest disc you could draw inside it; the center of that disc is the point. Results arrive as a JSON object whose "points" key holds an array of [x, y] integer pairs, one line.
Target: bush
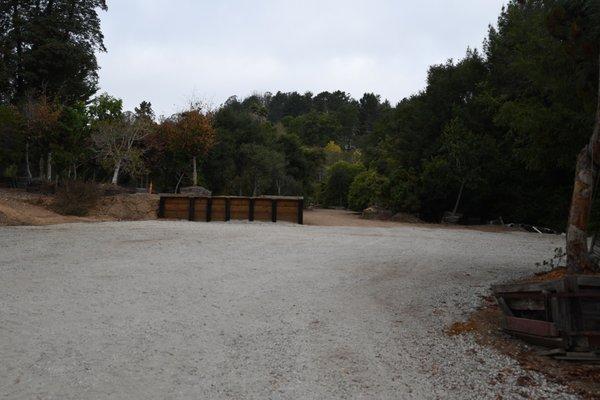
{"points": [[403, 192], [366, 190], [337, 183], [76, 198]]}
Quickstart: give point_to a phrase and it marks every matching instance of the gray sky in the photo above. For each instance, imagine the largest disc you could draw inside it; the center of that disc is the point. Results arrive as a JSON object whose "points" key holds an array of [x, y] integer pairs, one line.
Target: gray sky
{"points": [[171, 51]]}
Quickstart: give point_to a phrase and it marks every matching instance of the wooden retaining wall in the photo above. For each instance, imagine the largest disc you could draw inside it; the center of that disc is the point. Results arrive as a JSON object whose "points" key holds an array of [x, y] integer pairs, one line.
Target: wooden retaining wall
{"points": [[226, 208]]}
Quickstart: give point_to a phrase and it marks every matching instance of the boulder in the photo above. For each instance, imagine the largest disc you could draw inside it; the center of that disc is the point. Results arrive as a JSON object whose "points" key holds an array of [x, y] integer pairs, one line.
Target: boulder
{"points": [[375, 212], [407, 218], [196, 191]]}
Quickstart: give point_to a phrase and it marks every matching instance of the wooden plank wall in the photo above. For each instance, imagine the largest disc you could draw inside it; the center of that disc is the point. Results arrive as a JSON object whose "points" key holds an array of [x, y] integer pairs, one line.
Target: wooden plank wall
{"points": [[271, 209]]}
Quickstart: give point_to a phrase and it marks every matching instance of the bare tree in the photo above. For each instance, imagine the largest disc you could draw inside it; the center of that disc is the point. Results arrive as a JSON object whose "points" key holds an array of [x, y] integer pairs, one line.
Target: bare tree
{"points": [[115, 140]]}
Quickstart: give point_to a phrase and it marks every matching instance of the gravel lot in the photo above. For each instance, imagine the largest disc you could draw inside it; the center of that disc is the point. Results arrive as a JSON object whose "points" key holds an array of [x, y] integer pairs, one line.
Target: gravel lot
{"points": [[178, 310]]}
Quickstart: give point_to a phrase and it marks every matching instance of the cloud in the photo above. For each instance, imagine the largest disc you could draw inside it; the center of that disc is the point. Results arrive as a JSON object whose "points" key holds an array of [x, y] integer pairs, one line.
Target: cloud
{"points": [[169, 51]]}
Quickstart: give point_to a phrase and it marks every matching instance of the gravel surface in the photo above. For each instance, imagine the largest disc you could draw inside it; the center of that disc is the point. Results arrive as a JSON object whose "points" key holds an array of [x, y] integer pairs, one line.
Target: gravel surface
{"points": [[178, 310]]}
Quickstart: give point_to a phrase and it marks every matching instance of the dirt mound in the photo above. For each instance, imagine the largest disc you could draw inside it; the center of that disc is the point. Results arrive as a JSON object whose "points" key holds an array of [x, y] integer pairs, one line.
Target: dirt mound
{"points": [[131, 207], [18, 207], [557, 273], [18, 212]]}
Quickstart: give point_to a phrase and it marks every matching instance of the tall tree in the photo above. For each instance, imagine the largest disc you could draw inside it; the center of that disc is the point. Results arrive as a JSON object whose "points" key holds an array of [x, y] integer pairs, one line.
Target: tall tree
{"points": [[41, 123], [49, 46]]}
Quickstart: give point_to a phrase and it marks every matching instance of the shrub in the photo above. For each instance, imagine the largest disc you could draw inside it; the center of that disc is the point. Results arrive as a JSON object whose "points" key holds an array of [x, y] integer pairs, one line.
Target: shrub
{"points": [[76, 198], [366, 190], [403, 192], [337, 183]]}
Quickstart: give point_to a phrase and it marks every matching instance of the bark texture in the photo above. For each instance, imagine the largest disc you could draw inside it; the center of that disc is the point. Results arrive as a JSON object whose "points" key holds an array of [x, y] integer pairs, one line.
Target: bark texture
{"points": [[578, 259], [586, 171]]}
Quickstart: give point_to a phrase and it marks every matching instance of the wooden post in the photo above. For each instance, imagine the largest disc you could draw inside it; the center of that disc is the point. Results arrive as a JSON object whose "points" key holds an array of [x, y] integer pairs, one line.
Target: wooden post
{"points": [[301, 211], [251, 211], [161, 207], [192, 209], [227, 209], [209, 209], [274, 210]]}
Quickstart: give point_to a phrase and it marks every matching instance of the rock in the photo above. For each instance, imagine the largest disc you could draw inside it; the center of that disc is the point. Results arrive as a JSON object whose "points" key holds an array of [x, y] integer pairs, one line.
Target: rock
{"points": [[375, 212], [451, 218], [408, 218], [196, 191], [108, 189]]}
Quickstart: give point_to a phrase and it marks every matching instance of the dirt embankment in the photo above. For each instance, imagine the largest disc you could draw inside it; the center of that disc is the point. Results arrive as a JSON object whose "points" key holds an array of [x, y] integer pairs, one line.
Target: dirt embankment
{"points": [[18, 207]]}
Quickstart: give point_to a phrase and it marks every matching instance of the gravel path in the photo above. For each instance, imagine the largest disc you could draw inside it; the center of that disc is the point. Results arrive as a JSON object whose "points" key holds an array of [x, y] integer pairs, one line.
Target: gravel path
{"points": [[178, 310]]}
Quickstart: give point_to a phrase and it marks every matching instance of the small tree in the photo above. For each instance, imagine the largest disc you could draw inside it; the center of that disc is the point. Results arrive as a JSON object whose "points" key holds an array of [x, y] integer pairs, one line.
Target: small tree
{"points": [[466, 152], [366, 190], [115, 139], [338, 179], [261, 168], [190, 135]]}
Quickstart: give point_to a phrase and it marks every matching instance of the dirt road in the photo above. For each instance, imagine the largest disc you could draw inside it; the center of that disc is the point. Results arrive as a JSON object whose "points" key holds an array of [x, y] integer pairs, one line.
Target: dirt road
{"points": [[178, 310]]}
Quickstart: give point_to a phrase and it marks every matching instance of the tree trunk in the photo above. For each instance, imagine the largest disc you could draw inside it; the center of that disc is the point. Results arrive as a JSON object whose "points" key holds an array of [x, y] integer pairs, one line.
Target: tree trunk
{"points": [[115, 178], [41, 176], [460, 193], [195, 172], [179, 182], [586, 170], [28, 166], [578, 259], [49, 167]]}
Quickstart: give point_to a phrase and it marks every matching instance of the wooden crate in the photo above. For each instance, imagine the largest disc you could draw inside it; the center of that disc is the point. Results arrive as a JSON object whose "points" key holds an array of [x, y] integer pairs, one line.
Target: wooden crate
{"points": [[563, 313]]}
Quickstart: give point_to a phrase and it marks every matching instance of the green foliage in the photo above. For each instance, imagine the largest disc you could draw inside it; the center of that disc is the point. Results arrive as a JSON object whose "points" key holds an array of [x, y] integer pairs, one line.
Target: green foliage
{"points": [[49, 47], [10, 171], [402, 192], [337, 183], [105, 107], [11, 135], [367, 189], [493, 134]]}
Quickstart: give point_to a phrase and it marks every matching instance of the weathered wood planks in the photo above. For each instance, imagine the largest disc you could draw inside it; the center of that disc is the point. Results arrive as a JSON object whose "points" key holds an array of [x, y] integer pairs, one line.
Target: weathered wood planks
{"points": [[226, 208], [565, 311]]}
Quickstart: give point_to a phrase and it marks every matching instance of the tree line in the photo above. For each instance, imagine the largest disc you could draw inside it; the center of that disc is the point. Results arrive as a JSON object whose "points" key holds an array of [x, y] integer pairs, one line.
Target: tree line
{"points": [[494, 134]]}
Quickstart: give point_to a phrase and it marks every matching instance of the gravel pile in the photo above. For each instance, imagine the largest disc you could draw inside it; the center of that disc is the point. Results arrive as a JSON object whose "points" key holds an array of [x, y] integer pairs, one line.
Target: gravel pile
{"points": [[178, 310]]}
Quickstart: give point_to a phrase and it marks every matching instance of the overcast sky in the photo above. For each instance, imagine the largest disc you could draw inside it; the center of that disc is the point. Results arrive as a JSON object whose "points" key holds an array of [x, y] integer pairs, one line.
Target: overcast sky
{"points": [[171, 51]]}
